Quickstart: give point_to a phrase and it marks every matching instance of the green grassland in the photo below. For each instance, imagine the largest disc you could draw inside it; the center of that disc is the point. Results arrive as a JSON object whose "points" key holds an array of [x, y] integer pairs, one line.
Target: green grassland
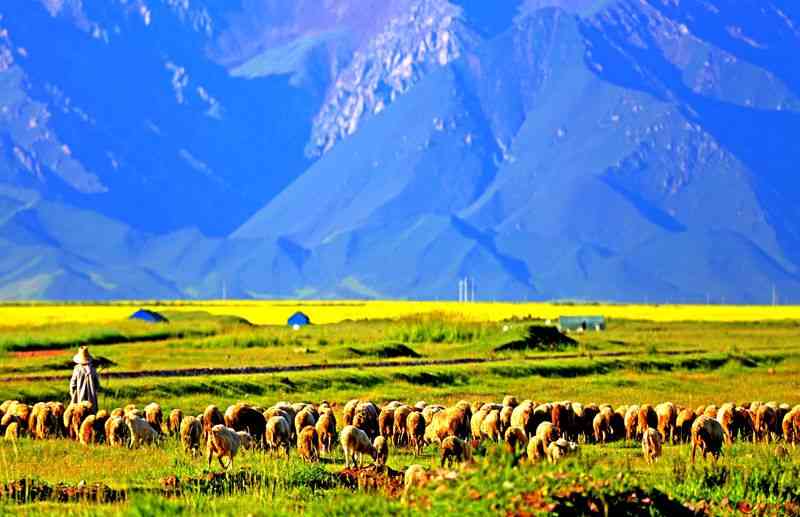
{"points": [[689, 363]]}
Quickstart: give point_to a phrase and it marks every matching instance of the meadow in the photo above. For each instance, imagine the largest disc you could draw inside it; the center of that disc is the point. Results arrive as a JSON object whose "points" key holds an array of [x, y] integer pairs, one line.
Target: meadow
{"points": [[383, 351]]}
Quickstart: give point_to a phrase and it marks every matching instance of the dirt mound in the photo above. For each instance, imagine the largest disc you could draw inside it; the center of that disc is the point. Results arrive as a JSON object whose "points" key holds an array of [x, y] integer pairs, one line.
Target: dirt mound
{"points": [[214, 483], [540, 338], [25, 491], [384, 351], [373, 478]]}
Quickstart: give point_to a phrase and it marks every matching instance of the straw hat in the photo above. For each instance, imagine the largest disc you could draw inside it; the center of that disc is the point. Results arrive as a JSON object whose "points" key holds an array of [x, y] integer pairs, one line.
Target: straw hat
{"points": [[83, 356]]}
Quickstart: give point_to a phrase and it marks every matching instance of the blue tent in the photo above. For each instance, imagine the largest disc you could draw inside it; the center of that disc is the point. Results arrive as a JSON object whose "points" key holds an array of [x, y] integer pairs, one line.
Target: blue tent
{"points": [[299, 319], [148, 316]]}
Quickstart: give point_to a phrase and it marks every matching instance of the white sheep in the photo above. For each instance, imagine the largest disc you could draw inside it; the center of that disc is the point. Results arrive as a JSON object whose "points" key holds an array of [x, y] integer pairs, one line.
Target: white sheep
{"points": [[141, 432], [222, 442], [355, 443]]}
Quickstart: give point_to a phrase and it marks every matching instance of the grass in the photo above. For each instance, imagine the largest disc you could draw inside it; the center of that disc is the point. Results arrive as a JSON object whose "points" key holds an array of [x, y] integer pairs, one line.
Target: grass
{"points": [[635, 361]]}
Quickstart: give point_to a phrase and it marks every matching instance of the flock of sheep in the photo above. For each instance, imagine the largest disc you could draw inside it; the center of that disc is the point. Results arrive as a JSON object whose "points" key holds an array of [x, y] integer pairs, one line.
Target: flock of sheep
{"points": [[536, 430]]}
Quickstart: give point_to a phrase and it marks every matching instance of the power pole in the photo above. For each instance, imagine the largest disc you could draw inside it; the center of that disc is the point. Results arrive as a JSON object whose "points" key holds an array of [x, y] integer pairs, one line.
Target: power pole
{"points": [[774, 296]]}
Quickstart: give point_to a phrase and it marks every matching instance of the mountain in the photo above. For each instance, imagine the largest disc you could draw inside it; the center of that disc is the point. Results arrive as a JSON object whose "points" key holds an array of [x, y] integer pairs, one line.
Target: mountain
{"points": [[624, 149]]}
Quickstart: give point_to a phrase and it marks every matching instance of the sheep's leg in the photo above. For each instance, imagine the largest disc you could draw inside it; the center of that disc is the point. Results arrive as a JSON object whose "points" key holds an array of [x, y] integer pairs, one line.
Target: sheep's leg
{"points": [[694, 448]]}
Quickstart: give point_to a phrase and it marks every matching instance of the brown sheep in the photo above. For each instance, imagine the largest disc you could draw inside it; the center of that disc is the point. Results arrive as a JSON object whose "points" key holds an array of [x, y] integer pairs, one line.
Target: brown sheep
{"points": [[154, 416], [603, 433], [632, 422], [191, 433], [453, 421], [308, 443], [174, 422], [222, 442], [765, 423], [117, 432], [590, 411], [683, 425], [242, 417], [57, 414], [742, 423], [326, 430], [561, 416], [381, 450], [279, 434], [349, 411], [708, 435], [400, 416], [415, 429], [651, 445], [515, 439], [667, 417], [77, 413], [617, 424], [711, 411], [454, 449], [386, 422], [647, 418], [43, 424], [211, 417]]}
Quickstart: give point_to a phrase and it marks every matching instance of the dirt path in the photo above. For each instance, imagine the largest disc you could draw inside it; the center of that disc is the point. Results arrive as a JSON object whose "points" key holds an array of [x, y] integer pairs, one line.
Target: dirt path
{"points": [[253, 370]]}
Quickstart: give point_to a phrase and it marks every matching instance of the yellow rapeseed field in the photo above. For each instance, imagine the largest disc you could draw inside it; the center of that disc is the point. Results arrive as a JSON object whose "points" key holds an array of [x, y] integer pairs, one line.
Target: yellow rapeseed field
{"points": [[276, 312]]}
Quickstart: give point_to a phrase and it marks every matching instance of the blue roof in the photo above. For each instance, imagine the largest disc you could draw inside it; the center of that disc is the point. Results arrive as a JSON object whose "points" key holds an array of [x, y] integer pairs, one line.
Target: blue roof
{"points": [[299, 318], [148, 316]]}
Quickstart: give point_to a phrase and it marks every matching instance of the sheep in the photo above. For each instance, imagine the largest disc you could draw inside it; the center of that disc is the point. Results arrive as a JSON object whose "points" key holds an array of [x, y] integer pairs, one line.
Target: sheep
{"points": [[428, 412], [279, 434], [326, 430], [454, 449], [241, 417], [400, 416], [510, 401], [74, 416], [308, 443], [683, 424], [355, 444], [349, 411], [87, 431], [647, 418], [522, 415], [415, 476], [415, 429], [222, 442], [561, 416], [16, 412], [743, 426], [118, 412], [57, 415], [154, 416], [548, 433], [765, 423], [725, 416], [590, 411], [602, 426], [667, 416], [515, 439], [788, 426], [420, 405], [535, 449], [505, 418], [174, 422], [632, 422], [141, 432], [560, 449], [381, 449], [211, 418], [708, 435], [453, 421], [13, 432], [386, 422], [366, 418], [302, 419], [490, 427], [246, 440], [117, 432], [191, 432], [42, 423], [476, 421], [651, 445], [711, 411]]}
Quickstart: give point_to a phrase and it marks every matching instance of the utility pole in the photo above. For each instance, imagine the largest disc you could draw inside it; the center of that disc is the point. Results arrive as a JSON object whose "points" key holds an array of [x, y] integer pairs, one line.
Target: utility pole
{"points": [[774, 296]]}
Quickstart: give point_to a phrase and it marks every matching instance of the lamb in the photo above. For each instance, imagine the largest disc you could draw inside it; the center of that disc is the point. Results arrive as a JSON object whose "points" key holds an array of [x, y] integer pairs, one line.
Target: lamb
{"points": [[308, 444], [454, 449], [117, 432], [515, 439], [355, 444], [651, 445], [174, 422], [326, 430], [279, 434], [141, 432], [191, 432], [708, 435], [222, 442], [415, 428], [560, 449], [154, 416], [381, 449]]}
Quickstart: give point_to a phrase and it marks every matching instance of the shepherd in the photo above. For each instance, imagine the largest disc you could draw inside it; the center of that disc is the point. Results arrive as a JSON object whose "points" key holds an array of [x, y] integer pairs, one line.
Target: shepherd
{"points": [[85, 382]]}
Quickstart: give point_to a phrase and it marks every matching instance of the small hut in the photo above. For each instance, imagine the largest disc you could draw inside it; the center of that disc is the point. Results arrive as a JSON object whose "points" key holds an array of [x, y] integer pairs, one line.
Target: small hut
{"points": [[299, 319], [148, 316]]}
